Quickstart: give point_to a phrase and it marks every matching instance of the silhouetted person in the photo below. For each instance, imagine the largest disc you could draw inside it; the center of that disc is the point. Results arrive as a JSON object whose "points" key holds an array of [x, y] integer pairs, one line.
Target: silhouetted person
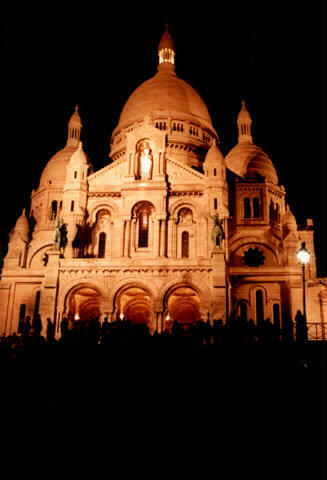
{"points": [[64, 327], [287, 331], [217, 330], [50, 330], [21, 325], [105, 329], [267, 331], [301, 328], [37, 325], [252, 330], [27, 326]]}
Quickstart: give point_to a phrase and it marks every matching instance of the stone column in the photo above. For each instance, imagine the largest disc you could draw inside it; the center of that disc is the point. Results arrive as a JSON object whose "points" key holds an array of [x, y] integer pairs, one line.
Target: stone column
{"points": [[170, 238], [163, 239], [127, 236], [49, 288], [156, 242]]}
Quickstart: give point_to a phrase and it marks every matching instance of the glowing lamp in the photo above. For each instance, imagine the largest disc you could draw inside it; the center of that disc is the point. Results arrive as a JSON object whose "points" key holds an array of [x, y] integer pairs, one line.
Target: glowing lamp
{"points": [[76, 316], [167, 318], [121, 316], [303, 255]]}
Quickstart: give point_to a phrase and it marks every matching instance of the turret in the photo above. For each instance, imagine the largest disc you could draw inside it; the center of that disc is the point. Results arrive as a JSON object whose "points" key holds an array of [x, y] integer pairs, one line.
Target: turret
{"points": [[215, 171], [75, 195], [19, 238]]}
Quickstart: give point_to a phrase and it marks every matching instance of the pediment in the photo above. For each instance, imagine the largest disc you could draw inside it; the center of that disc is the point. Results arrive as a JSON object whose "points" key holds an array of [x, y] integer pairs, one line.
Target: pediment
{"points": [[145, 130], [112, 174], [178, 173]]}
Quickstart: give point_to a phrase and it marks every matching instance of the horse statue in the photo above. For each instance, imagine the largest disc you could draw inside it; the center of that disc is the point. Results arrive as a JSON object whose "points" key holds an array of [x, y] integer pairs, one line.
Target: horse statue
{"points": [[217, 231], [60, 235]]}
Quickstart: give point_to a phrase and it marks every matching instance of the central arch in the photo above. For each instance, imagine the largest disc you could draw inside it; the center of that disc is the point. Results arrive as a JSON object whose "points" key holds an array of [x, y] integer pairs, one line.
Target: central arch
{"points": [[84, 303], [183, 305], [135, 303]]}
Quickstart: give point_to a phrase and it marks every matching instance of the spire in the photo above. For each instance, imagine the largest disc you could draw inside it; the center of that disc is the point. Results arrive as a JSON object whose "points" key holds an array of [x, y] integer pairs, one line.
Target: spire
{"points": [[74, 128], [166, 51], [244, 122]]}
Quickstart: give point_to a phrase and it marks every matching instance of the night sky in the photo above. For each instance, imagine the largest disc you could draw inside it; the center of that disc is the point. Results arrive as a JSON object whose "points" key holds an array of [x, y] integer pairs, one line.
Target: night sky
{"points": [[269, 53]]}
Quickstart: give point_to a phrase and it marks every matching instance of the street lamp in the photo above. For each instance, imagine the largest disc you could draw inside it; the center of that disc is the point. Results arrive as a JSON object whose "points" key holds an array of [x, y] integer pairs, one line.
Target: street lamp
{"points": [[303, 257]]}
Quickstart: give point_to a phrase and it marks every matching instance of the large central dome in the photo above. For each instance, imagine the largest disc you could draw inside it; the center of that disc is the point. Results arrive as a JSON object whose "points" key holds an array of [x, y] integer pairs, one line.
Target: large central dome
{"points": [[171, 104], [164, 93]]}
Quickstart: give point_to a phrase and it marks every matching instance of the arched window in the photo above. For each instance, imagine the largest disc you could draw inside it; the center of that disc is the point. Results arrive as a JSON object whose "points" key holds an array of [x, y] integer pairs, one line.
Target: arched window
{"points": [[247, 208], [215, 203], [259, 307], [143, 240], [276, 315], [75, 174], [271, 211], [72, 206], [256, 207], [185, 244], [53, 210], [102, 245]]}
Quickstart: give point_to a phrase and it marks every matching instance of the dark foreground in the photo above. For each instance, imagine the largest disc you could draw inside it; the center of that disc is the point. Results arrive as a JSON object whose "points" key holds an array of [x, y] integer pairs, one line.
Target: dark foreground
{"points": [[166, 405]]}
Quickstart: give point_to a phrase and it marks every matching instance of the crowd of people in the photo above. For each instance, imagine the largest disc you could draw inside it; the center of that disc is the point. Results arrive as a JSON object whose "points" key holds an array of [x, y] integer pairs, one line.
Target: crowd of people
{"points": [[201, 333]]}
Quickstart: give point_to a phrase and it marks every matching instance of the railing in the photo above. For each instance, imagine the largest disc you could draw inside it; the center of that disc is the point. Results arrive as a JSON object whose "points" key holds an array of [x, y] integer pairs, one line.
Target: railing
{"points": [[317, 331]]}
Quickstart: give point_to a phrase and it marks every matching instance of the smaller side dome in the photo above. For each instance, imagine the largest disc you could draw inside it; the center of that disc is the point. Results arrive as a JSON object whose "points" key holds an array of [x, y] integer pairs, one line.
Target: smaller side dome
{"points": [[247, 159], [261, 165], [214, 154], [79, 156], [22, 226], [289, 220]]}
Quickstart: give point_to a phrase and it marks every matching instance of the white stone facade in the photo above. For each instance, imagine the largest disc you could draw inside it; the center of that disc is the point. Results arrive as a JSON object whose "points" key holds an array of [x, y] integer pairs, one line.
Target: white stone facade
{"points": [[139, 231]]}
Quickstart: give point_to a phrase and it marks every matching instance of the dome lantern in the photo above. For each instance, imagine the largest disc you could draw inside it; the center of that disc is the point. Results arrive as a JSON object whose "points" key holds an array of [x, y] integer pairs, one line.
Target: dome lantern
{"points": [[244, 122], [74, 128], [166, 51]]}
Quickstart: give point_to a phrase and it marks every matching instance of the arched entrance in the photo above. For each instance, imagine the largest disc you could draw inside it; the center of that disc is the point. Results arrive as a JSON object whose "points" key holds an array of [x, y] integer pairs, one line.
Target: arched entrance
{"points": [[183, 305], [135, 304], [84, 303]]}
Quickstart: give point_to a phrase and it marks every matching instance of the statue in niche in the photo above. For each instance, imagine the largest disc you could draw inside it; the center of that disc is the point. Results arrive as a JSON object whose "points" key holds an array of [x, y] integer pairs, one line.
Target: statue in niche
{"points": [[217, 231], [145, 161], [185, 216]]}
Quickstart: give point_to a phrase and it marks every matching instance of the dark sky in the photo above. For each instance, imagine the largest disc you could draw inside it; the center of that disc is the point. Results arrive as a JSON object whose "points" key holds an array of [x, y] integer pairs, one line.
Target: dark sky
{"points": [[269, 53]]}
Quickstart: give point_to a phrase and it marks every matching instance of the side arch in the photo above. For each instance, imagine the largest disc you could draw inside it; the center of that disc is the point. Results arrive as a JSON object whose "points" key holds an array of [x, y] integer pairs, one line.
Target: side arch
{"points": [[75, 284], [36, 255]]}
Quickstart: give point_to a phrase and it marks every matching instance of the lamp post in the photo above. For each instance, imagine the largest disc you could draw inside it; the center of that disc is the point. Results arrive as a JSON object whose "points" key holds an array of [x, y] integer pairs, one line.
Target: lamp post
{"points": [[303, 257]]}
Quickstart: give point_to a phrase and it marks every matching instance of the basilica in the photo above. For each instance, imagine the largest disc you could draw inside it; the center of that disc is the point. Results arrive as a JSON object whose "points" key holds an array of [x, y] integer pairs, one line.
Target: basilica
{"points": [[170, 230]]}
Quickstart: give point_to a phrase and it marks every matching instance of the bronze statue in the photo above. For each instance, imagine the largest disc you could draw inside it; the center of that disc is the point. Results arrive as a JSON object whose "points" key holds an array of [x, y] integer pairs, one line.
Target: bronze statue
{"points": [[217, 231], [60, 235]]}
